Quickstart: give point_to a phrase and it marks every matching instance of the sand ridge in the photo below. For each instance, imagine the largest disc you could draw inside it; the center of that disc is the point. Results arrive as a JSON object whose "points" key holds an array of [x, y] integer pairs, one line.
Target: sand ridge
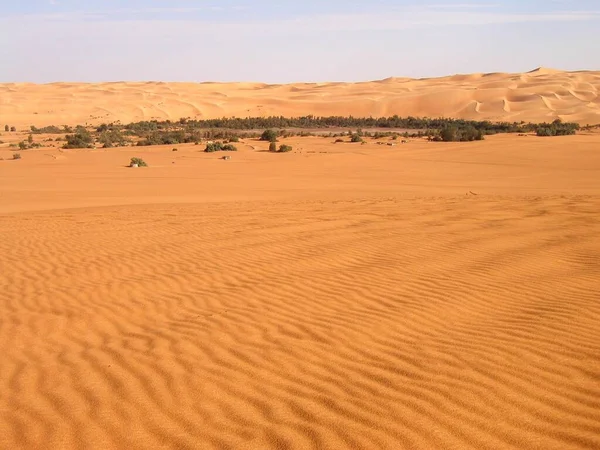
{"points": [[541, 95]]}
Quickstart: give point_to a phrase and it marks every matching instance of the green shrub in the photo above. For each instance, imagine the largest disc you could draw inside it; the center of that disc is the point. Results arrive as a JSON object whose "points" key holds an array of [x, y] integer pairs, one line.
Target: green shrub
{"points": [[213, 147], [339, 140], [269, 135], [273, 146], [139, 161], [219, 147], [556, 128], [52, 129], [13, 129], [448, 134], [81, 139], [356, 138], [16, 156], [285, 149], [6, 128], [22, 145], [112, 138], [234, 139]]}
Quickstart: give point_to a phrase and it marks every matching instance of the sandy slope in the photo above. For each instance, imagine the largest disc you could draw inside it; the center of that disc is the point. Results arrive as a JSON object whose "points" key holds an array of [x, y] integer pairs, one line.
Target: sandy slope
{"points": [[339, 297], [537, 96]]}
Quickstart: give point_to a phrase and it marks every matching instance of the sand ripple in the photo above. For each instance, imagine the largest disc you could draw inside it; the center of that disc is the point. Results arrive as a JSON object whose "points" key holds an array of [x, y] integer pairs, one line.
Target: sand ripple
{"points": [[421, 324]]}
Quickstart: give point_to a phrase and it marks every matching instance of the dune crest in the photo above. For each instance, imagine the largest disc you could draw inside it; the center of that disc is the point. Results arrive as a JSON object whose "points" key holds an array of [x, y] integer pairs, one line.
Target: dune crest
{"points": [[574, 98]]}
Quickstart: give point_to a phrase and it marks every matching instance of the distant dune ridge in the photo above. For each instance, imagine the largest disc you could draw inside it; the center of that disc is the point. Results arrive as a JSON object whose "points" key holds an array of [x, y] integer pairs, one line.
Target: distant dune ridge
{"points": [[538, 96]]}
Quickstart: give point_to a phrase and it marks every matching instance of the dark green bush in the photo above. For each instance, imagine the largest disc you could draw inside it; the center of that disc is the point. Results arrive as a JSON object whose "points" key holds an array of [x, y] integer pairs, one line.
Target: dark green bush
{"points": [[557, 128], [81, 139], [285, 149], [273, 146], [269, 135], [213, 147], [112, 138], [46, 130]]}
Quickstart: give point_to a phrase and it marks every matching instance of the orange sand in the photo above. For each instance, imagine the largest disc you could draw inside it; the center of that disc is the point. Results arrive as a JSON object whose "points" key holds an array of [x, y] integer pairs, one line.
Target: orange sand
{"points": [[336, 297], [538, 96]]}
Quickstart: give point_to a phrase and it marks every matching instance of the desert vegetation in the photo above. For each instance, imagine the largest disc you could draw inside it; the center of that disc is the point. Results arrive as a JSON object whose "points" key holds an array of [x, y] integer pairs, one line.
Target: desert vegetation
{"points": [[230, 130], [452, 133], [219, 147], [82, 138], [137, 162], [557, 128], [52, 129], [269, 135]]}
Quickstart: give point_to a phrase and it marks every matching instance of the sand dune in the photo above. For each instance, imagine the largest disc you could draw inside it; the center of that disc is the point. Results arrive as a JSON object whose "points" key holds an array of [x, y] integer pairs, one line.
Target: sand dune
{"points": [[424, 296], [538, 96]]}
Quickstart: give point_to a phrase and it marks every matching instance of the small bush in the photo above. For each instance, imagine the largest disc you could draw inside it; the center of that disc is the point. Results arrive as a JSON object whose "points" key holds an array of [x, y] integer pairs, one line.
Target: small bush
{"points": [[6, 128], [81, 139], [139, 161], [273, 147], [22, 145], [174, 150], [339, 140], [356, 138], [16, 156], [219, 147], [234, 139], [269, 135], [112, 138], [13, 129], [285, 149], [213, 147]]}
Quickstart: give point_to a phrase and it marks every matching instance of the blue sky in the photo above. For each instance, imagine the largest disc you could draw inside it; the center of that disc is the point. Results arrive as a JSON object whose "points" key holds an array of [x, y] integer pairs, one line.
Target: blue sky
{"points": [[285, 41]]}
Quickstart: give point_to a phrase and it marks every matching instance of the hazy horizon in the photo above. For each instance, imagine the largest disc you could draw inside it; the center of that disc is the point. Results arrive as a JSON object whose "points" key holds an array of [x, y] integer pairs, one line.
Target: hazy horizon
{"points": [[242, 41]]}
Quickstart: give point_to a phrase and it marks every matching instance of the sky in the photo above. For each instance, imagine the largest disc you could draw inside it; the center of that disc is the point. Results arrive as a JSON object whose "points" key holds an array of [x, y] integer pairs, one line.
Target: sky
{"points": [[45, 41]]}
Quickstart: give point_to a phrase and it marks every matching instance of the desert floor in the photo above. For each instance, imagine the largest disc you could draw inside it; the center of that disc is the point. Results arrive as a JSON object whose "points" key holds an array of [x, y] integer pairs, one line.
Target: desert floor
{"points": [[421, 296]]}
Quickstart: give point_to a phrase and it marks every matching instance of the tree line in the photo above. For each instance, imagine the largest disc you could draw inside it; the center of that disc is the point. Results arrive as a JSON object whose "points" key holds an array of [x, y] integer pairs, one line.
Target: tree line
{"points": [[186, 130]]}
